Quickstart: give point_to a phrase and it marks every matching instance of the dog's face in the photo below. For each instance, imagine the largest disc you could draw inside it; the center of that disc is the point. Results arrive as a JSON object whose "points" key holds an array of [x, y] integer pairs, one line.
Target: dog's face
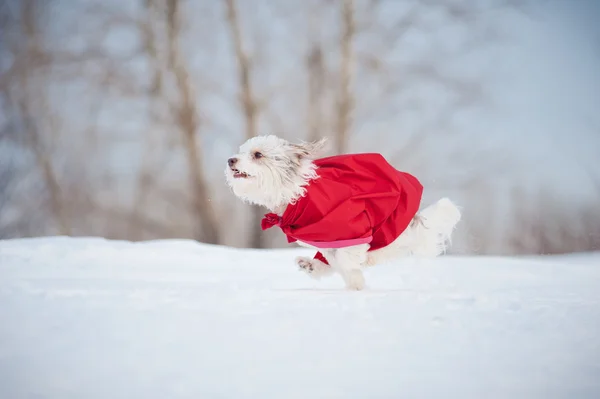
{"points": [[270, 171]]}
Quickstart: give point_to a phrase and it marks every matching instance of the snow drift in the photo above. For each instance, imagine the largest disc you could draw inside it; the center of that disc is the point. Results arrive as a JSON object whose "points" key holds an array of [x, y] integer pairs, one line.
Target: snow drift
{"points": [[89, 318]]}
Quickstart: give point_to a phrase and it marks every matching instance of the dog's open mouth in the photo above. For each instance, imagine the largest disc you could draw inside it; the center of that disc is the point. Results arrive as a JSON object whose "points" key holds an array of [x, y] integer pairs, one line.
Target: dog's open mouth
{"points": [[239, 175]]}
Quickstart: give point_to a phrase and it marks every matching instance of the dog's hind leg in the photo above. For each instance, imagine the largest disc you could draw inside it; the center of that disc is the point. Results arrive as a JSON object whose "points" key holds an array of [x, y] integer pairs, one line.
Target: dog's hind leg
{"points": [[348, 262], [427, 236]]}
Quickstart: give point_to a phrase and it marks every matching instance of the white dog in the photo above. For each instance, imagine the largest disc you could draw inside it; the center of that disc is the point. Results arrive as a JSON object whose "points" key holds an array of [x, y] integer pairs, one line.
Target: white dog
{"points": [[276, 174]]}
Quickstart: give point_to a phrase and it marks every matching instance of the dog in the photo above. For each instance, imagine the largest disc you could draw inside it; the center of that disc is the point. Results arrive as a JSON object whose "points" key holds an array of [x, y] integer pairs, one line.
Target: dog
{"points": [[356, 210]]}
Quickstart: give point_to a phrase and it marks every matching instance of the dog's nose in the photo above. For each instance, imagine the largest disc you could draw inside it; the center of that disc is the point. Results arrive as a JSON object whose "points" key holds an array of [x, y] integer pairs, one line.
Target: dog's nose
{"points": [[232, 161]]}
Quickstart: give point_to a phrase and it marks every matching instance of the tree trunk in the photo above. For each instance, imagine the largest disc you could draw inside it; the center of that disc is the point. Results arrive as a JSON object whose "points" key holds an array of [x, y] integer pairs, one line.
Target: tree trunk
{"points": [[134, 228], [316, 81], [249, 107], [35, 56], [315, 66], [206, 221], [346, 101]]}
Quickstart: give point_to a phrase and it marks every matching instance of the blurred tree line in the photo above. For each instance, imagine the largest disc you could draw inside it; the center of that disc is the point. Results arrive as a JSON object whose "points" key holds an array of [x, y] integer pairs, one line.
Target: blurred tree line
{"points": [[116, 116]]}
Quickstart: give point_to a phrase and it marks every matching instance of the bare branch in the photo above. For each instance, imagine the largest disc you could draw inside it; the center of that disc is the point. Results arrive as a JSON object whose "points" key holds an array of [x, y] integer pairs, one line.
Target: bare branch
{"points": [[187, 120], [248, 101], [346, 100], [33, 51], [147, 177], [315, 65]]}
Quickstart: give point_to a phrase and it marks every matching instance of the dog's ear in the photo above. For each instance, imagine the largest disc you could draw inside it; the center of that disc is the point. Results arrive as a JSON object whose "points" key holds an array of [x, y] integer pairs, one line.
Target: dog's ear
{"points": [[310, 149]]}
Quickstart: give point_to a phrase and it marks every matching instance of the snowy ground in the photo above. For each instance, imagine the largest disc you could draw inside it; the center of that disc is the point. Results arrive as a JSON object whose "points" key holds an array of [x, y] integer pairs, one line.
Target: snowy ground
{"points": [[94, 319]]}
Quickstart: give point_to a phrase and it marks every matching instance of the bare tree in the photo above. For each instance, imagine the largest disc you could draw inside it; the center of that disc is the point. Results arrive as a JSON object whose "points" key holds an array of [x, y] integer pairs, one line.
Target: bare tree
{"points": [[147, 174], [34, 107], [248, 102], [316, 71], [7, 175], [187, 120], [346, 101]]}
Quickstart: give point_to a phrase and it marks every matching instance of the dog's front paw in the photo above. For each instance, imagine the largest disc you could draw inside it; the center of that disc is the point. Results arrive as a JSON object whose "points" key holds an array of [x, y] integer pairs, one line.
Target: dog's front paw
{"points": [[305, 264], [313, 267]]}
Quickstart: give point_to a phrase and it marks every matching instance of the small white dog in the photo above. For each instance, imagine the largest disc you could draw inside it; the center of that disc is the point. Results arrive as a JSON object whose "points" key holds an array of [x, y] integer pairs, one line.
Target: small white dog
{"points": [[356, 209]]}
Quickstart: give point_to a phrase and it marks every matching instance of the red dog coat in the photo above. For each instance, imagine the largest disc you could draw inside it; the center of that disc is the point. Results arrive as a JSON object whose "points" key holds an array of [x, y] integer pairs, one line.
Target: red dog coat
{"points": [[357, 199]]}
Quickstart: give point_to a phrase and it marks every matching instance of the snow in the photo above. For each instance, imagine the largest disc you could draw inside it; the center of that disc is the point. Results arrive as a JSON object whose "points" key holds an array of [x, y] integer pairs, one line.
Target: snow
{"points": [[91, 318]]}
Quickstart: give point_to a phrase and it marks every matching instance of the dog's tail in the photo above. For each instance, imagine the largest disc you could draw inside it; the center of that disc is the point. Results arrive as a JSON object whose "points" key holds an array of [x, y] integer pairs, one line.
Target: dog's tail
{"points": [[432, 228], [428, 235]]}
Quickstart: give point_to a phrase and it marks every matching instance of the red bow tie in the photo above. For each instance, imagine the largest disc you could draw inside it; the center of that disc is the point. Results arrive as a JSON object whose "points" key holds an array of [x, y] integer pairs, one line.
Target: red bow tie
{"points": [[270, 220]]}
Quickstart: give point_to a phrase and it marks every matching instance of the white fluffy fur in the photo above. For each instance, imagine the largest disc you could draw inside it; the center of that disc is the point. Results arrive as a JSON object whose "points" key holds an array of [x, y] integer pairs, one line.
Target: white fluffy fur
{"points": [[279, 177]]}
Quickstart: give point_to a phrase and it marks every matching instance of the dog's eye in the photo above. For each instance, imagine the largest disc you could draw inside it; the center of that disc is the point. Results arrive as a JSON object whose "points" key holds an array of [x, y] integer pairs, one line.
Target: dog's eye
{"points": [[258, 155]]}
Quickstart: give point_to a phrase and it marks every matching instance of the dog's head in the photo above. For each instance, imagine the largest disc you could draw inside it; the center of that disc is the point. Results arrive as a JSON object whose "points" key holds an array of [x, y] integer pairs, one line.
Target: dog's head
{"points": [[272, 172]]}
